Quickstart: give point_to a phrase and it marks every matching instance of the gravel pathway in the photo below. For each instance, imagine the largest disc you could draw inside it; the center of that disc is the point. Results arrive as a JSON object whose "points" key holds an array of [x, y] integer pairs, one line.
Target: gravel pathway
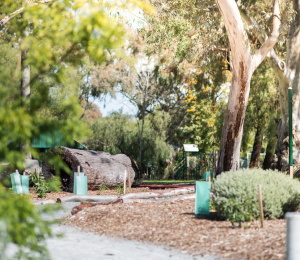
{"points": [[77, 244]]}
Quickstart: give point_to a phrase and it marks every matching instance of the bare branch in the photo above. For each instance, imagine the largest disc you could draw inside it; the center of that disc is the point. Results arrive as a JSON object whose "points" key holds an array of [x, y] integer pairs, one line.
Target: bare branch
{"points": [[268, 45], [272, 57], [7, 18], [237, 35], [10, 16], [259, 31]]}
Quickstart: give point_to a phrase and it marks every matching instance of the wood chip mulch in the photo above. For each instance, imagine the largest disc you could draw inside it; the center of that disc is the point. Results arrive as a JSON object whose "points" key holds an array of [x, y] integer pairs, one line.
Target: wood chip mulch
{"points": [[174, 224]]}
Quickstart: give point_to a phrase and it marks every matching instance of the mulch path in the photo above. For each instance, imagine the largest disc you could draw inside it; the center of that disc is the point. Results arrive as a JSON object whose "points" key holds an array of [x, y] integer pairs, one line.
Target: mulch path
{"points": [[174, 224]]}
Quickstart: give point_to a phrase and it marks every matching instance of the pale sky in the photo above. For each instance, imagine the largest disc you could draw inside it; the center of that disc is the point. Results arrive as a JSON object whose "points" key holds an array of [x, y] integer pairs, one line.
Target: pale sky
{"points": [[111, 105]]}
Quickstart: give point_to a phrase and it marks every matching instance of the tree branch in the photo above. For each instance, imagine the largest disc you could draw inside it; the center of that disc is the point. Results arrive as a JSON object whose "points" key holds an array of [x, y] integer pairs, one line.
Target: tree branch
{"points": [[7, 18], [237, 35], [268, 45], [272, 57]]}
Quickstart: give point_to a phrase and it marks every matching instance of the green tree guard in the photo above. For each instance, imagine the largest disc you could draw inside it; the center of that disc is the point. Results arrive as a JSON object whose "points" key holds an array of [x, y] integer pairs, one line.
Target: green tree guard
{"points": [[25, 183], [16, 183], [202, 197], [206, 176], [80, 183], [20, 183]]}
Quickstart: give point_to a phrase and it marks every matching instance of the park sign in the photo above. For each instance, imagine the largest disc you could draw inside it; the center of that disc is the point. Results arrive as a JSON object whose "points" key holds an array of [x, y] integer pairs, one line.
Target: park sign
{"points": [[191, 152], [190, 148]]}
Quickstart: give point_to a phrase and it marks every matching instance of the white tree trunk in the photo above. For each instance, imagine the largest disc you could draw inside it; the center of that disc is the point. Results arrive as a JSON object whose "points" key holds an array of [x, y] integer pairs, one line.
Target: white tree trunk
{"points": [[288, 75], [234, 120], [25, 92], [244, 64], [25, 80], [291, 79]]}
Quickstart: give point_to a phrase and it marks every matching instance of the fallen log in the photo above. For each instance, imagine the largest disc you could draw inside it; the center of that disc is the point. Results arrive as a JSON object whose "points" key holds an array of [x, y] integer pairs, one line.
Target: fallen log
{"points": [[87, 198], [127, 197], [157, 199], [158, 194], [162, 186], [100, 167], [85, 204]]}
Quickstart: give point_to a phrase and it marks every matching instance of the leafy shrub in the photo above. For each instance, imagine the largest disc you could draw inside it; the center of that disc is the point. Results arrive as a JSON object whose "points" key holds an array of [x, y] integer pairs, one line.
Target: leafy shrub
{"points": [[237, 211], [103, 187], [22, 225], [120, 189], [42, 186], [238, 191]]}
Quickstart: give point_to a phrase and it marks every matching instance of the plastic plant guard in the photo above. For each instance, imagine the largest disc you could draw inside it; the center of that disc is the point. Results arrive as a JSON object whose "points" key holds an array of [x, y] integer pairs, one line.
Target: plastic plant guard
{"points": [[16, 183], [25, 183], [206, 176], [202, 197], [80, 184]]}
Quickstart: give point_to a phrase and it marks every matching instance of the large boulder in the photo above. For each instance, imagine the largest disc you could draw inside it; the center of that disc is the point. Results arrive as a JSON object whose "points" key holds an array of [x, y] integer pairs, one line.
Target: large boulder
{"points": [[31, 166], [99, 167]]}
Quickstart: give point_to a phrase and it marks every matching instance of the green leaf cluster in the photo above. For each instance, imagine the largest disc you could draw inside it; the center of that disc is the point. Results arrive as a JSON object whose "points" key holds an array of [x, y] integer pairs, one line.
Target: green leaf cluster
{"points": [[262, 110], [22, 225], [42, 186], [205, 104], [237, 211], [119, 133], [57, 37], [236, 192]]}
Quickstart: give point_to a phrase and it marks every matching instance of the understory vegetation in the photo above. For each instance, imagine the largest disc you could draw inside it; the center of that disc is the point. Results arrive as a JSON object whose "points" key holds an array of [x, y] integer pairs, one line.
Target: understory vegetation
{"points": [[235, 194], [21, 223], [174, 63]]}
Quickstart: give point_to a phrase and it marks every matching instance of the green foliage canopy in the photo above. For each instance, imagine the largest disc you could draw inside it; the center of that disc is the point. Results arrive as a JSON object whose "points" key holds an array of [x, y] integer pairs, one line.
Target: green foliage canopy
{"points": [[119, 133]]}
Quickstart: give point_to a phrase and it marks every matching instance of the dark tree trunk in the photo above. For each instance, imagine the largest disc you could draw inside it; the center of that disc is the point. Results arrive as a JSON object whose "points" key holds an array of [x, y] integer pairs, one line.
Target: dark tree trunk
{"points": [[234, 120], [254, 162], [141, 142], [269, 157]]}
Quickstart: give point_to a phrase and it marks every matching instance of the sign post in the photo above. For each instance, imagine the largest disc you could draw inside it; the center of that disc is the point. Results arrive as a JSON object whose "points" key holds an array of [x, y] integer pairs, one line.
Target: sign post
{"points": [[291, 169]]}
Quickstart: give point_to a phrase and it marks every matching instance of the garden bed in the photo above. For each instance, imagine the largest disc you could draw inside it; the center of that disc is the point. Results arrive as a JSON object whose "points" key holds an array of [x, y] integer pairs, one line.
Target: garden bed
{"points": [[173, 223]]}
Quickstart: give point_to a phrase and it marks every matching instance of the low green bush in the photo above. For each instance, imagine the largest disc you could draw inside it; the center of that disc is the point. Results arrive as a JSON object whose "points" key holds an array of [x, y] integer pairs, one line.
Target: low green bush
{"points": [[42, 186], [235, 194], [21, 223]]}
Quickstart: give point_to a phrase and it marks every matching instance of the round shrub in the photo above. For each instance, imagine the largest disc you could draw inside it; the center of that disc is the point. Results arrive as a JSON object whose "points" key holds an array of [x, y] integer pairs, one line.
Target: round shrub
{"points": [[236, 193]]}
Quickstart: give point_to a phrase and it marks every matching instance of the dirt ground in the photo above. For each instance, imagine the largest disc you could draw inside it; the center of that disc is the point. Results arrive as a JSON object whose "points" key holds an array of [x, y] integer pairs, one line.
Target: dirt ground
{"points": [[173, 223]]}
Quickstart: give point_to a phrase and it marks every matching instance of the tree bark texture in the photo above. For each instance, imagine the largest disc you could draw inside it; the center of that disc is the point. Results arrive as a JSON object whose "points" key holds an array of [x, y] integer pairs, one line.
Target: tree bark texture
{"points": [[288, 74], [141, 141], [254, 161], [25, 92], [269, 154], [291, 79], [25, 80], [99, 167], [244, 64]]}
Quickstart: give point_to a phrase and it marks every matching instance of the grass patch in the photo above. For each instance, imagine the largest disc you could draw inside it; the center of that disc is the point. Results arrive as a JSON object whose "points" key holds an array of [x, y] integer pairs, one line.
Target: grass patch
{"points": [[168, 182]]}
